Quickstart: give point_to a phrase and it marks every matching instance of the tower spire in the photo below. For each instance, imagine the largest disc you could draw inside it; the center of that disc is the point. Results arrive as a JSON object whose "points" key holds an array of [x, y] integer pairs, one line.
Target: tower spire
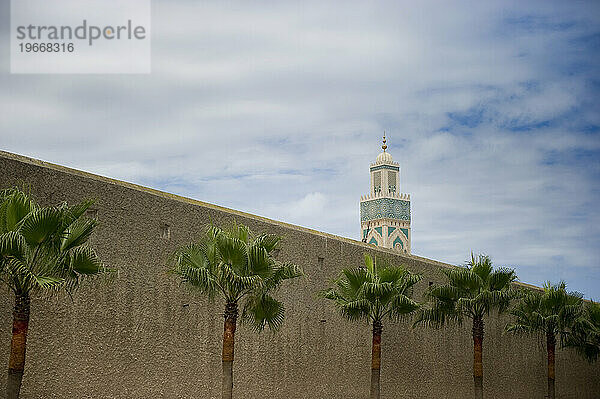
{"points": [[385, 211]]}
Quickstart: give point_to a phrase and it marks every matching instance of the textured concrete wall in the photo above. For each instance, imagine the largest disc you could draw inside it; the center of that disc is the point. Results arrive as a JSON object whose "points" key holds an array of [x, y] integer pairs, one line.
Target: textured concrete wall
{"points": [[144, 336]]}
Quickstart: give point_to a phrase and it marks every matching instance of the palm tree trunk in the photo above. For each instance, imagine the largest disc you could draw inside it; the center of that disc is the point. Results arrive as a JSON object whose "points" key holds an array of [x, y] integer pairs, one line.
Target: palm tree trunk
{"points": [[478, 356], [376, 360], [16, 362], [550, 346], [231, 313]]}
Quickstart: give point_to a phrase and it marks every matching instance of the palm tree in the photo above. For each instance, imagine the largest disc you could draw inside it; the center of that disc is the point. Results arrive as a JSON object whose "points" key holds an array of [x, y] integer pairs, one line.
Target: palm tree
{"points": [[373, 293], [41, 248], [472, 292], [552, 313], [240, 268], [585, 333]]}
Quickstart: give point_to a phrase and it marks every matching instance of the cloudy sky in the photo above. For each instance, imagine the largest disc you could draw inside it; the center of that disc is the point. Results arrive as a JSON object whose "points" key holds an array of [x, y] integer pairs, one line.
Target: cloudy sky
{"points": [[277, 109]]}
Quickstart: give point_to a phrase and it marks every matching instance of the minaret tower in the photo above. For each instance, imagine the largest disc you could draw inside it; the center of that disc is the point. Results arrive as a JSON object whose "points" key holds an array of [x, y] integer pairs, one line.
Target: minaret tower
{"points": [[385, 212]]}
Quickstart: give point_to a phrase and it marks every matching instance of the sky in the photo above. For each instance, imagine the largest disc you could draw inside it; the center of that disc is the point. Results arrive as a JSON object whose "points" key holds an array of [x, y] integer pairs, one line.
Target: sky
{"points": [[491, 108]]}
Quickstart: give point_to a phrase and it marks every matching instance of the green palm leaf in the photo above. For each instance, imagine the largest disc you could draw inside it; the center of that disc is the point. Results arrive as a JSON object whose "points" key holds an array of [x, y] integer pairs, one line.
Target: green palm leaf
{"points": [[268, 241], [40, 225], [233, 252], [472, 291], [74, 212], [584, 336], [280, 273], [77, 233], [263, 310], [553, 311], [12, 245], [83, 260], [14, 207], [43, 248], [373, 292], [239, 266], [401, 306]]}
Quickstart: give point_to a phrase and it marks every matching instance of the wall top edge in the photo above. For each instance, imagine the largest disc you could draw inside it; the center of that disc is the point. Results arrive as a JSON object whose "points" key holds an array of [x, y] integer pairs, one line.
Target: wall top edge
{"points": [[76, 172]]}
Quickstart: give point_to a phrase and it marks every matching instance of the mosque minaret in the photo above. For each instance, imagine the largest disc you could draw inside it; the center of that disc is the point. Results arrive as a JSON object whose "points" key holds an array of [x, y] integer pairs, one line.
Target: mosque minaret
{"points": [[385, 212]]}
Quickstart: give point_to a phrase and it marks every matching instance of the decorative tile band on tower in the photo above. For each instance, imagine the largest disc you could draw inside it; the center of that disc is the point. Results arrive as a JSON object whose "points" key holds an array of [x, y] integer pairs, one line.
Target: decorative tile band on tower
{"points": [[385, 212], [390, 208]]}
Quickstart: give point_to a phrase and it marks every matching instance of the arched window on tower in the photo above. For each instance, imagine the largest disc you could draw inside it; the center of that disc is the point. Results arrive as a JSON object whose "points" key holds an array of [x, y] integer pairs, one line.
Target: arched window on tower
{"points": [[398, 243], [391, 182], [377, 182]]}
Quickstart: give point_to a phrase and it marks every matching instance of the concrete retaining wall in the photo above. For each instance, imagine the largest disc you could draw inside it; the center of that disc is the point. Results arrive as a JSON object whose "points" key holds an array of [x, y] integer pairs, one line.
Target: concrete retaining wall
{"points": [[144, 336]]}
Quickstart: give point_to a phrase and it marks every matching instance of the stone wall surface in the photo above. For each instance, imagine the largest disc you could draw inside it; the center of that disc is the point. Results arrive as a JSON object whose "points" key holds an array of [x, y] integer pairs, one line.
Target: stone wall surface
{"points": [[142, 335]]}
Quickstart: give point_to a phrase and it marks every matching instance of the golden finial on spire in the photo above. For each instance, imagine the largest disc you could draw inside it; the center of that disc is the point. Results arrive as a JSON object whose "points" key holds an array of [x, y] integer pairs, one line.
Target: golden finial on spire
{"points": [[384, 146]]}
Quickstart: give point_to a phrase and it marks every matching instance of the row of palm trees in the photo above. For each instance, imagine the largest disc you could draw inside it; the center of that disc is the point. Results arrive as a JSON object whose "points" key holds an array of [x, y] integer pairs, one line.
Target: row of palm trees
{"points": [[46, 249], [373, 292]]}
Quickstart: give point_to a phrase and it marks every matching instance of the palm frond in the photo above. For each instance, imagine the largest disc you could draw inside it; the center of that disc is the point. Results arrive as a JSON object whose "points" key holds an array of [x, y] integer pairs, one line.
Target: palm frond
{"points": [[334, 295], [237, 284], [192, 264], [369, 263], [268, 241], [444, 293], [464, 279], [12, 245], [281, 272], [198, 277], [436, 316], [392, 274], [238, 231], [376, 290], [520, 328], [233, 252], [501, 278], [584, 334], [74, 212], [15, 206], [263, 310], [402, 306], [43, 248], [28, 280], [235, 263], [259, 260], [360, 309], [40, 225], [352, 280], [83, 260], [471, 291], [373, 292], [481, 265], [77, 233]]}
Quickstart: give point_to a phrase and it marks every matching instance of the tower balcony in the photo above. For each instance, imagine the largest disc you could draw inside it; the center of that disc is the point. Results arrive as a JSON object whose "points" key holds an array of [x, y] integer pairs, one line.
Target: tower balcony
{"points": [[372, 196]]}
